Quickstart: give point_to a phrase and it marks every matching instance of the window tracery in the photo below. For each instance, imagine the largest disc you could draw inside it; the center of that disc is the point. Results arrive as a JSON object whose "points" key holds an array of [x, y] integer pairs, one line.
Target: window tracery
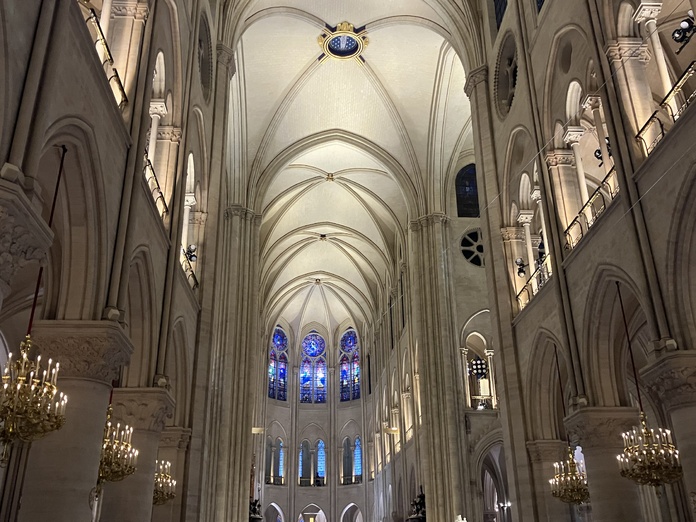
{"points": [[278, 366], [349, 366], [313, 369]]}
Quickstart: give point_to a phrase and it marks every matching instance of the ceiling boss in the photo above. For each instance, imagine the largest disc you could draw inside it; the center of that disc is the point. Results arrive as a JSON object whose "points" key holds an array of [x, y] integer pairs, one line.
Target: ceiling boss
{"points": [[343, 42]]}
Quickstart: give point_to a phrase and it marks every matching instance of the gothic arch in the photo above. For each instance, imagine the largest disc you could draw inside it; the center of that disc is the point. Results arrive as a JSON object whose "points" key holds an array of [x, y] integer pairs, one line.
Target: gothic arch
{"points": [[177, 369]]}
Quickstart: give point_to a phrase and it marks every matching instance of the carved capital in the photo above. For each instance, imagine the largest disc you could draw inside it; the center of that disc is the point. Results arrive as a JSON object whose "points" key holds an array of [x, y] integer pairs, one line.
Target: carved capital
{"points": [[626, 49], [174, 437], [573, 134], [535, 194], [130, 9], [512, 234], [199, 218], [189, 199], [592, 102], [525, 217], [239, 211], [544, 451], [597, 427], [475, 76], [671, 380], [647, 11], [429, 220], [143, 408], [225, 58], [85, 349], [158, 108], [169, 133], [557, 158], [24, 236]]}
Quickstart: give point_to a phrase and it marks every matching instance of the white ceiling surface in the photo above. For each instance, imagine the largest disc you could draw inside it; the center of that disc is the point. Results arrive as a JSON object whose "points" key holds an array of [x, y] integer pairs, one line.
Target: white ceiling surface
{"points": [[406, 100]]}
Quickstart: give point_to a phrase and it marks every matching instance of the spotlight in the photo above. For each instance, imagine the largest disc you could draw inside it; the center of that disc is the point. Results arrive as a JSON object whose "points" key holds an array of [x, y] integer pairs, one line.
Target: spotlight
{"points": [[191, 253], [685, 31], [521, 272]]}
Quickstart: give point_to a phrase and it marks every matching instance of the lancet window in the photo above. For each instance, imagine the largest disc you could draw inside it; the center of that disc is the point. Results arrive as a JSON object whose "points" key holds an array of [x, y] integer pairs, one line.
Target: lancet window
{"points": [[349, 364], [278, 366], [313, 369]]}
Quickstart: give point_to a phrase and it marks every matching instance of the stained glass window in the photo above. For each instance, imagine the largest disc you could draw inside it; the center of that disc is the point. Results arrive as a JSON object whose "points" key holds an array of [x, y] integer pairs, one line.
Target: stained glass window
{"points": [[281, 459], [357, 458], [321, 459], [299, 469], [278, 366], [313, 369], [500, 7], [467, 192], [349, 366]]}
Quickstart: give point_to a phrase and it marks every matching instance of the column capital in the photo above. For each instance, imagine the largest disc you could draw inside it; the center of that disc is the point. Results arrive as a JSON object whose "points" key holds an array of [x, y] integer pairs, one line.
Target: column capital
{"points": [[428, 220], [560, 157], [512, 234], [130, 9], [547, 450], [158, 107], [596, 427], [627, 48], [475, 76], [175, 437], [573, 134], [189, 199], [239, 211], [143, 408], [85, 349], [647, 11], [672, 379], [169, 133], [592, 102], [525, 217], [225, 58], [535, 193]]}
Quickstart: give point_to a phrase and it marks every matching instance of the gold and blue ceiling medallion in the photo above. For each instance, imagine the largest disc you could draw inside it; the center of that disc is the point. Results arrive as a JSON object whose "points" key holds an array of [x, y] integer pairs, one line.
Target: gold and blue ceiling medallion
{"points": [[343, 42]]}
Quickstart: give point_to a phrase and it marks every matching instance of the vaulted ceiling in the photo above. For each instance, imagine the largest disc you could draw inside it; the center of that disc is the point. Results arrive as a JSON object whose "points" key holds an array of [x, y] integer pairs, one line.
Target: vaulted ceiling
{"points": [[341, 154]]}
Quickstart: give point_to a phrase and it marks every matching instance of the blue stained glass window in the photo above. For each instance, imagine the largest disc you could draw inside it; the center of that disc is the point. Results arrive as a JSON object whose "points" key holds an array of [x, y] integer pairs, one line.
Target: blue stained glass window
{"points": [[467, 192], [321, 459], [272, 375], [282, 380], [299, 469], [349, 366], [280, 340], [357, 458], [306, 380], [345, 378], [356, 376], [281, 459], [540, 4], [320, 381], [500, 7], [313, 345]]}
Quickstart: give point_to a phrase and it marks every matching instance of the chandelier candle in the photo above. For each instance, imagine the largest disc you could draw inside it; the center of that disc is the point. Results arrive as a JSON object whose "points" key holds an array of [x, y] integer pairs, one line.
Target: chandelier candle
{"points": [[164, 484], [118, 457]]}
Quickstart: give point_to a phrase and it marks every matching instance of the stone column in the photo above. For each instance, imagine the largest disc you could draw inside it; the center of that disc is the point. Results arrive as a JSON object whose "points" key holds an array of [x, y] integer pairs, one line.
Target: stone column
{"points": [[525, 218], [105, 18], [648, 12], [594, 103], [572, 137], [145, 410], [174, 444], [24, 235], [189, 203], [63, 467], [598, 431], [491, 378], [563, 178], [158, 110], [672, 382], [542, 455], [536, 197], [467, 386]]}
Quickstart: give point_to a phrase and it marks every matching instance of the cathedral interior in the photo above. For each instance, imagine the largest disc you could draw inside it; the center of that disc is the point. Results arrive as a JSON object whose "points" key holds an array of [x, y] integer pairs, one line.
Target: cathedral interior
{"points": [[347, 261]]}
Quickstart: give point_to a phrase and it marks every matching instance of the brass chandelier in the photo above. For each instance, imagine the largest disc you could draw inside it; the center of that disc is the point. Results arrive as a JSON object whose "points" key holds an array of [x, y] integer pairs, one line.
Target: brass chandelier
{"points": [[569, 483], [118, 457], [30, 405], [649, 456], [165, 485]]}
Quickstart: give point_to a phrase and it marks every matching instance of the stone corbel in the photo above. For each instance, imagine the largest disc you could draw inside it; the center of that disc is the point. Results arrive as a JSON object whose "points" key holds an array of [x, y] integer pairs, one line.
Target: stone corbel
{"points": [[601, 427], [143, 409], [174, 437], [475, 76], [546, 450], [671, 380]]}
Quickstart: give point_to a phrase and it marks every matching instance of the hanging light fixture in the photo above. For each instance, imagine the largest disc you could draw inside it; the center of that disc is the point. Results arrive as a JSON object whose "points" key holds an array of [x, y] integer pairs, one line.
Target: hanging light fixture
{"points": [[165, 486], [118, 457], [650, 457], [30, 404], [569, 483]]}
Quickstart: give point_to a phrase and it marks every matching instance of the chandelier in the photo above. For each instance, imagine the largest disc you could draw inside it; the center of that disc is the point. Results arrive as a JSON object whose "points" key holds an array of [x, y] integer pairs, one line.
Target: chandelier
{"points": [[118, 457], [30, 405], [569, 483], [165, 486], [649, 457]]}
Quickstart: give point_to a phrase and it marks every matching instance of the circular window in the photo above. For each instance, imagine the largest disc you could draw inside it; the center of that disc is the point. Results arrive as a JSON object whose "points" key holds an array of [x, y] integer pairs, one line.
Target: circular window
{"points": [[343, 45], [205, 59], [343, 42], [506, 76], [313, 345], [472, 247]]}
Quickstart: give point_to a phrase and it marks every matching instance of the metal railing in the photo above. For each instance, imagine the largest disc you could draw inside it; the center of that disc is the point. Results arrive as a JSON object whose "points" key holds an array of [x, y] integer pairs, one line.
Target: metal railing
{"points": [[188, 270], [592, 210], [535, 283], [662, 120], [154, 186], [107, 59]]}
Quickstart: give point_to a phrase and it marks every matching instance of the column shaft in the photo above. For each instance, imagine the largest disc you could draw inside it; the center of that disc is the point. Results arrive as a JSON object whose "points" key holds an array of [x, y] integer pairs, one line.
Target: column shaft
{"points": [[660, 61]]}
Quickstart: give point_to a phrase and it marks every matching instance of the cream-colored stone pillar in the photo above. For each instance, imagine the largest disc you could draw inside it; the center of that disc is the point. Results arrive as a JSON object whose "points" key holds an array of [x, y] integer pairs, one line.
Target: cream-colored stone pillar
{"points": [[572, 137], [598, 431], [174, 444], [525, 218], [542, 455], [158, 110], [564, 180], [24, 235], [594, 103], [105, 18], [491, 378], [189, 203], [63, 468], [648, 12], [672, 382], [144, 409], [467, 385], [536, 197]]}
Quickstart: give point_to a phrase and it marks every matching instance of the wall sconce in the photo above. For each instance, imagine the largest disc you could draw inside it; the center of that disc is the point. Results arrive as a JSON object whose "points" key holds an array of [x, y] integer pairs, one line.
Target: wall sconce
{"points": [[521, 266], [190, 253]]}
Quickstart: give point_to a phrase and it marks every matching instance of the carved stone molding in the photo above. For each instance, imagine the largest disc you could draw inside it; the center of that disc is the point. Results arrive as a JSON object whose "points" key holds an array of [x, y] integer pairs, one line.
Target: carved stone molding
{"points": [[158, 107], [597, 427], [199, 218], [429, 220], [525, 217], [625, 49], [130, 9], [225, 57], [475, 77], [647, 11], [24, 235], [85, 349], [169, 133], [672, 379], [592, 102], [143, 408], [541, 451], [174, 437], [573, 135], [239, 211], [512, 234], [560, 157]]}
